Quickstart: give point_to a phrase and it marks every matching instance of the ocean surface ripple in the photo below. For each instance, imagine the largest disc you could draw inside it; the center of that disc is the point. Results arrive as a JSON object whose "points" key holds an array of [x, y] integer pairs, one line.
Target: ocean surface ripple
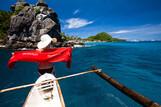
{"points": [[136, 65]]}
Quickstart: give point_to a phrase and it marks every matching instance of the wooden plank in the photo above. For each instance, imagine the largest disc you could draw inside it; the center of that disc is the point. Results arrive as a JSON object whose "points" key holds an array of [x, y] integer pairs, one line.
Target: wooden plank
{"points": [[60, 94]]}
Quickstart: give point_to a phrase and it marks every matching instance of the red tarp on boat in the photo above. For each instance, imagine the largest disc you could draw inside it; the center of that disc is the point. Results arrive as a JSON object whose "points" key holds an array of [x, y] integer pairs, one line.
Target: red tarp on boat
{"points": [[49, 55]]}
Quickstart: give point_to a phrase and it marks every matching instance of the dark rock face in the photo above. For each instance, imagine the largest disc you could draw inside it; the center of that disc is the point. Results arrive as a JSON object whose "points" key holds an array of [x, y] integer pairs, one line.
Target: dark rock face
{"points": [[29, 24]]}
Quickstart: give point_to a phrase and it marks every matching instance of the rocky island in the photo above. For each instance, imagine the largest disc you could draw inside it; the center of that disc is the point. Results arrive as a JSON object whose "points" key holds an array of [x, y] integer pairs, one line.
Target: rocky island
{"points": [[29, 22], [24, 25]]}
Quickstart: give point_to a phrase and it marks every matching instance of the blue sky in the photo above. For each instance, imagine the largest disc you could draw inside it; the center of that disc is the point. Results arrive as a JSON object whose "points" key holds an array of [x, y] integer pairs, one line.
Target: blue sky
{"points": [[130, 19]]}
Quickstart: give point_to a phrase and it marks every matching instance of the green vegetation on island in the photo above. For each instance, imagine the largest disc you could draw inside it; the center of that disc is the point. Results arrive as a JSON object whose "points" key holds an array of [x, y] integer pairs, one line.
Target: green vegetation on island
{"points": [[100, 37], [66, 37], [5, 17], [103, 36], [4, 23]]}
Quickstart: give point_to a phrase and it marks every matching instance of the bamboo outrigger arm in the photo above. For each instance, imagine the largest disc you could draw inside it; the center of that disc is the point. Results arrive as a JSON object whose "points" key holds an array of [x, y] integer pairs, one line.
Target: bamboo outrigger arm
{"points": [[59, 78], [145, 102]]}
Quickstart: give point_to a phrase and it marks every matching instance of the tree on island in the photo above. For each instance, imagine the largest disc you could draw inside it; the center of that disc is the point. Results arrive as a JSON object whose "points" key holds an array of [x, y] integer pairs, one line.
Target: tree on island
{"points": [[67, 37], [4, 23], [103, 36]]}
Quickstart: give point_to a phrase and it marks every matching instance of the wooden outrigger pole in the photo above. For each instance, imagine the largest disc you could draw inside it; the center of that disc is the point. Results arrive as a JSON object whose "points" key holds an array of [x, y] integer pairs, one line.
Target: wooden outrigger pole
{"points": [[59, 78], [145, 102]]}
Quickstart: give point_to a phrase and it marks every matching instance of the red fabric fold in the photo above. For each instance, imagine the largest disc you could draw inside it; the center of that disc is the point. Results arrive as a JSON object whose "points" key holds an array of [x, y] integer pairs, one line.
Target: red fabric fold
{"points": [[49, 55]]}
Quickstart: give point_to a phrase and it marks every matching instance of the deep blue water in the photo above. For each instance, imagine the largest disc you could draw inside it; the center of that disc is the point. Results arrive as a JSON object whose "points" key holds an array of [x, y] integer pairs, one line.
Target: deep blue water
{"points": [[137, 65]]}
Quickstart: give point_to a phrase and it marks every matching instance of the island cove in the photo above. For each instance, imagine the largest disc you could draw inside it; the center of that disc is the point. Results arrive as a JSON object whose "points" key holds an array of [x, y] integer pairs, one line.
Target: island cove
{"points": [[67, 39]]}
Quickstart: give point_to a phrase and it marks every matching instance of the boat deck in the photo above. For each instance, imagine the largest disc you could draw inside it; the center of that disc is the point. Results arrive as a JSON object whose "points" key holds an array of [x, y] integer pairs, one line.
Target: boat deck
{"points": [[45, 95]]}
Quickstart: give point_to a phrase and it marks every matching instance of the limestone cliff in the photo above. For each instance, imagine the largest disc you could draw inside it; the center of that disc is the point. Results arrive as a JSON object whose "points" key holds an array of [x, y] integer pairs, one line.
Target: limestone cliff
{"points": [[28, 24]]}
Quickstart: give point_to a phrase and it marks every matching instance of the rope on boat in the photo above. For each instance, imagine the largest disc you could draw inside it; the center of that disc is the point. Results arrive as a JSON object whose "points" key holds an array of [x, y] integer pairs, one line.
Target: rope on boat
{"points": [[59, 78], [145, 102]]}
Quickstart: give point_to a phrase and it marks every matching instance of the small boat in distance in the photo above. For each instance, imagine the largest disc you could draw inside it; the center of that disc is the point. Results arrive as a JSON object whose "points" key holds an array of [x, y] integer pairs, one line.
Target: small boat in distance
{"points": [[47, 94]]}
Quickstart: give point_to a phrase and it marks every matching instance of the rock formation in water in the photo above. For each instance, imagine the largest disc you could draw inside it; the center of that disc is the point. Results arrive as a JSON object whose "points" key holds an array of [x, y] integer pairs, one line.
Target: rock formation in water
{"points": [[29, 23]]}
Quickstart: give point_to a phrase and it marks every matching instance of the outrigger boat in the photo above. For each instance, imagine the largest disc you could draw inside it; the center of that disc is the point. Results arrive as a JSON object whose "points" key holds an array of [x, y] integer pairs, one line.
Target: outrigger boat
{"points": [[46, 91], [46, 94]]}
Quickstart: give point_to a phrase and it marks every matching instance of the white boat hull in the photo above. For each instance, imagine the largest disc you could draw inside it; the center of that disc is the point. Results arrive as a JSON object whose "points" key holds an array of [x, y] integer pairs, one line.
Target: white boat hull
{"points": [[45, 95]]}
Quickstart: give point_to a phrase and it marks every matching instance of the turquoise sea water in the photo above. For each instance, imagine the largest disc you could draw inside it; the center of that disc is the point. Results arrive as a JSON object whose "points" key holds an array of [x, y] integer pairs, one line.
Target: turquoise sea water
{"points": [[136, 65]]}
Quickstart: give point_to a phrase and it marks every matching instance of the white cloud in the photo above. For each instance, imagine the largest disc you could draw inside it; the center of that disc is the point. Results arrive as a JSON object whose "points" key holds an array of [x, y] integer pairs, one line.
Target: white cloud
{"points": [[147, 31], [143, 29], [74, 23], [122, 31], [76, 11]]}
